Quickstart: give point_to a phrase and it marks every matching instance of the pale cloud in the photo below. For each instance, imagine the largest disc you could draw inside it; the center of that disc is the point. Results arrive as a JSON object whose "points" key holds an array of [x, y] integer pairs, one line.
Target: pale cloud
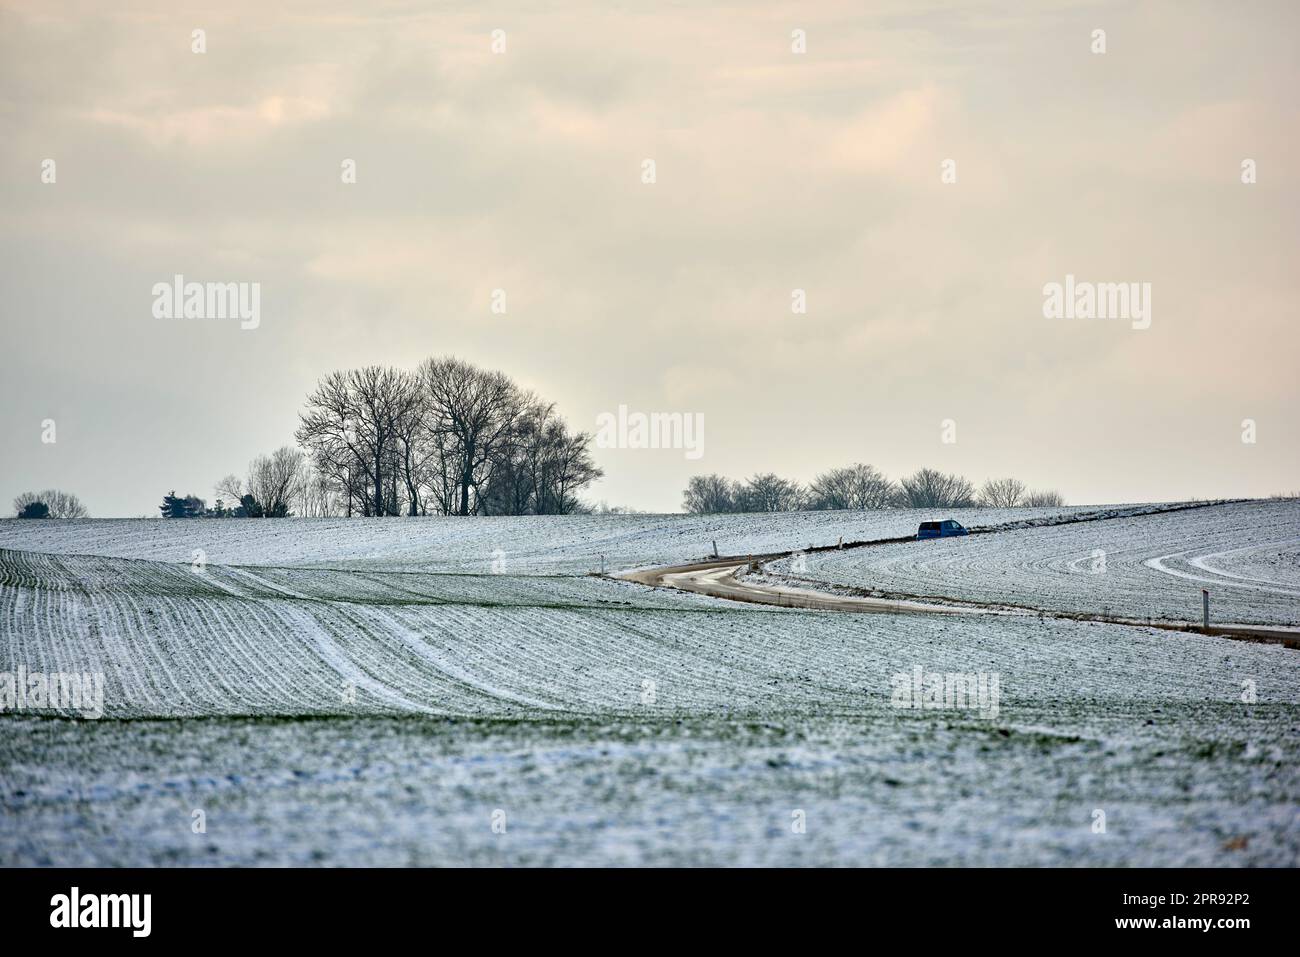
{"points": [[883, 138], [216, 125], [688, 384]]}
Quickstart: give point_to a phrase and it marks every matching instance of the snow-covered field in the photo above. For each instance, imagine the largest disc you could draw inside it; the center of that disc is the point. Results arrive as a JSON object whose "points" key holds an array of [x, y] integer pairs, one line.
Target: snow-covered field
{"points": [[1148, 566], [535, 544], [370, 692]]}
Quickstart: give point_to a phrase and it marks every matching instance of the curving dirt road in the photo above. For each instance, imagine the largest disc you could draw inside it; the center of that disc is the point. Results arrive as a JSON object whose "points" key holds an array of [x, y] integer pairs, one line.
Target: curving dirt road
{"points": [[720, 578]]}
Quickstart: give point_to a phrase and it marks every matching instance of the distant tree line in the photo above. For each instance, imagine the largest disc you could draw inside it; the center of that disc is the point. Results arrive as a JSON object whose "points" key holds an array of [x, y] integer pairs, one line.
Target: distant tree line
{"points": [[50, 503], [858, 487], [448, 438]]}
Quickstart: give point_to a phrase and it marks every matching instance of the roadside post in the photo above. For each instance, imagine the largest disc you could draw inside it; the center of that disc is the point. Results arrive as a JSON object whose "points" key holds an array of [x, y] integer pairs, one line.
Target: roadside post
{"points": [[1205, 608]]}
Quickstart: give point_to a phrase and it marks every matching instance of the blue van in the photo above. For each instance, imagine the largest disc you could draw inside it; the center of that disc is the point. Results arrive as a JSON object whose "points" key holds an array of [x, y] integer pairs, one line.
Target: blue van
{"points": [[944, 529]]}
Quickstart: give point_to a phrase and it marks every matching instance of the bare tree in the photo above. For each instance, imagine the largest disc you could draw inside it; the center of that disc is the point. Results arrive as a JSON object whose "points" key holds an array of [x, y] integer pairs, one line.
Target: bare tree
{"points": [[327, 431], [60, 504], [476, 409], [523, 468], [274, 484], [710, 494], [1002, 493], [350, 428], [319, 495], [768, 492], [1046, 498], [855, 486], [230, 487], [524, 476], [273, 480], [604, 508], [930, 488], [65, 505], [442, 471], [27, 504], [415, 449], [572, 469], [449, 438], [541, 468]]}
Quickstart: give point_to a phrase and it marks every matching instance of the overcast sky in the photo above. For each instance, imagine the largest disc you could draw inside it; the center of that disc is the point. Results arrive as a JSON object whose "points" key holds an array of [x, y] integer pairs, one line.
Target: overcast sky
{"points": [[775, 171]]}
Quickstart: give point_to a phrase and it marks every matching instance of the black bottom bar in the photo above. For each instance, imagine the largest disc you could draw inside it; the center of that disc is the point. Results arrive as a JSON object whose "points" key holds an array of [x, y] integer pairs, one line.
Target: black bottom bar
{"points": [[335, 907]]}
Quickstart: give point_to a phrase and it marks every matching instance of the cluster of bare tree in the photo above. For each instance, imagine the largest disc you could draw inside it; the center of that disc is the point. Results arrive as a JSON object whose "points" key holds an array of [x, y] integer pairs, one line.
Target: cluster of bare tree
{"points": [[765, 492], [858, 487], [275, 483], [50, 503], [1012, 493], [449, 438]]}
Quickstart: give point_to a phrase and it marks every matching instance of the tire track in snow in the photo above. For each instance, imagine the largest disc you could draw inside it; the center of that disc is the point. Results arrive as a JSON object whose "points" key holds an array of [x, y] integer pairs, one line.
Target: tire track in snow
{"points": [[1224, 579], [333, 655], [1203, 562], [426, 652]]}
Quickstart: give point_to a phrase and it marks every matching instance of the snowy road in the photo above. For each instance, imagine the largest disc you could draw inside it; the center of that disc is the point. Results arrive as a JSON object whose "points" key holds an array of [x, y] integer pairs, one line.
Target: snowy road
{"points": [[721, 580]]}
